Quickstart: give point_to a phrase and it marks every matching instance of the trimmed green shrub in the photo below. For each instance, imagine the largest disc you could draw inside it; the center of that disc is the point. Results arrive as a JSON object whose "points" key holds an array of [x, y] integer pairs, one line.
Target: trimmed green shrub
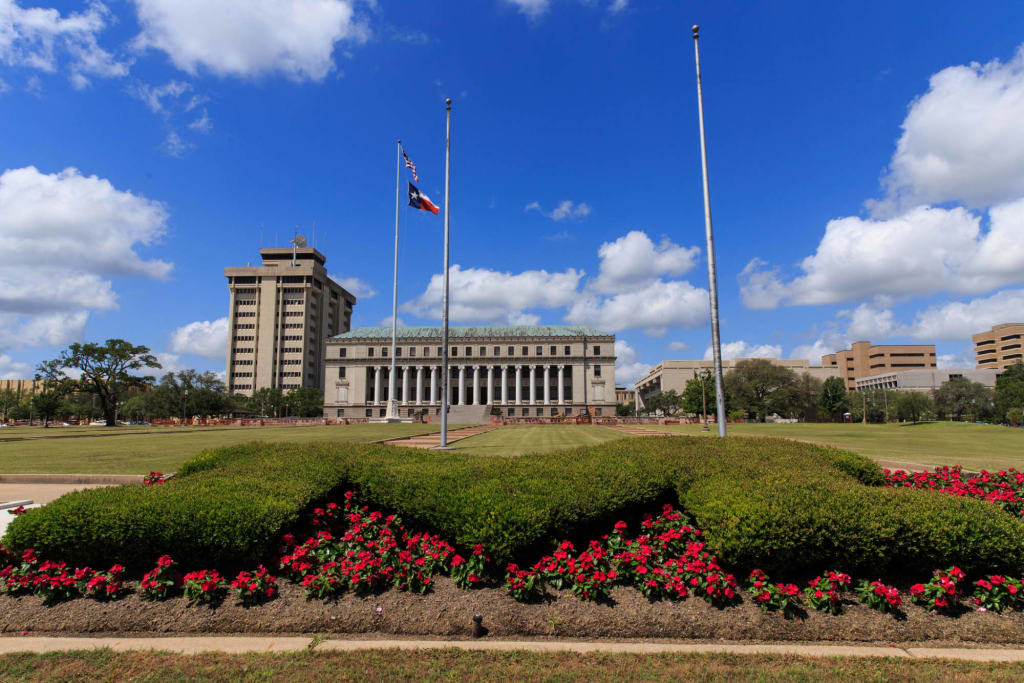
{"points": [[779, 505]]}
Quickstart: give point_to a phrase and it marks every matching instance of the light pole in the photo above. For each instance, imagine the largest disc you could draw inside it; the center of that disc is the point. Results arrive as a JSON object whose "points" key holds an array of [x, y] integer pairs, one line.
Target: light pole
{"points": [[716, 344], [704, 401], [184, 407]]}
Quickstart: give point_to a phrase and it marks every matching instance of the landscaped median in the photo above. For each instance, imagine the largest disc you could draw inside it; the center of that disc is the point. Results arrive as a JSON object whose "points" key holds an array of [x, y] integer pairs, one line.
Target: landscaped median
{"points": [[639, 537]]}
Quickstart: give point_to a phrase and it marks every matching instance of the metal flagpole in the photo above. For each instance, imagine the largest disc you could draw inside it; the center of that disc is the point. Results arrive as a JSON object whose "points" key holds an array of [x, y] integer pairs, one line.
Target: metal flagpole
{"points": [[716, 343], [392, 413], [444, 314]]}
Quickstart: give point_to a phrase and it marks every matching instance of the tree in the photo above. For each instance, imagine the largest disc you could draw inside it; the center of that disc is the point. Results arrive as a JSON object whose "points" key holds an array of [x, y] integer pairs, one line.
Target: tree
{"points": [[808, 396], [1015, 416], [699, 393], [46, 404], [106, 371], [56, 385], [625, 409], [834, 400], [959, 397], [913, 405], [304, 402], [266, 401], [760, 387], [872, 401], [8, 399], [1010, 390]]}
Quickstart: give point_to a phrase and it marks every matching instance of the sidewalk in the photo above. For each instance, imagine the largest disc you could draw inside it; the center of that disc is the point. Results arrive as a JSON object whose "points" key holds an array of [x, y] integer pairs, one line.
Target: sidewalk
{"points": [[243, 644], [434, 440]]}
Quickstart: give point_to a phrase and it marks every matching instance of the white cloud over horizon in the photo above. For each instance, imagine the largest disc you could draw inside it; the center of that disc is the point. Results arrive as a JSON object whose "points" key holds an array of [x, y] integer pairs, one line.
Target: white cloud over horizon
{"points": [[250, 38], [206, 338], [355, 286], [742, 349], [633, 262], [628, 369], [566, 209]]}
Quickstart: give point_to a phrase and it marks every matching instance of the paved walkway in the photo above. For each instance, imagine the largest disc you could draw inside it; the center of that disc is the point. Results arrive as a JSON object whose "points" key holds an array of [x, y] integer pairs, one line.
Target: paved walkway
{"points": [[633, 430], [244, 644], [434, 440]]}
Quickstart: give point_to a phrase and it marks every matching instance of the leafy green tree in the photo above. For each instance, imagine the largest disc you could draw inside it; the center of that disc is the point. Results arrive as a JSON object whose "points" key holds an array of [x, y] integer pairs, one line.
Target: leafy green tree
{"points": [[56, 385], [699, 393], [1015, 416], [760, 388], [107, 371], [304, 402], [960, 398], [267, 402], [8, 399], [808, 396], [912, 406], [1010, 390], [834, 400], [871, 401], [625, 409], [45, 404]]}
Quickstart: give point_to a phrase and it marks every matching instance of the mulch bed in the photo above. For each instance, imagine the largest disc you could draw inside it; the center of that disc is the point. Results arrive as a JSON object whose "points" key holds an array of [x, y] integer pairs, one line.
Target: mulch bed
{"points": [[448, 611]]}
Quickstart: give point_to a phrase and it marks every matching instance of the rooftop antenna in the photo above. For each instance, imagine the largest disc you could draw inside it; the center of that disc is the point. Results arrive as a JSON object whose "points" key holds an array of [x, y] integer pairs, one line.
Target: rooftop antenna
{"points": [[298, 242]]}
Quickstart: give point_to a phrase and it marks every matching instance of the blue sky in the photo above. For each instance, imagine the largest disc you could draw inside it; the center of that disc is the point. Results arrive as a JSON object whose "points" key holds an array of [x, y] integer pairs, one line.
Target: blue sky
{"points": [[867, 167]]}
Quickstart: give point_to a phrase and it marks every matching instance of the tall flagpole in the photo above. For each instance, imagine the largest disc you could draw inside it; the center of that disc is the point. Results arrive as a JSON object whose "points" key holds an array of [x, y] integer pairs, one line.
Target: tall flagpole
{"points": [[392, 413], [716, 343], [444, 314]]}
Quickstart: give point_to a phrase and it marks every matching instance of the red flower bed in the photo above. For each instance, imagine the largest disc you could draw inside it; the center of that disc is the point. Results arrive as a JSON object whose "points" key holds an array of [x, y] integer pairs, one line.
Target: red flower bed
{"points": [[1005, 487]]}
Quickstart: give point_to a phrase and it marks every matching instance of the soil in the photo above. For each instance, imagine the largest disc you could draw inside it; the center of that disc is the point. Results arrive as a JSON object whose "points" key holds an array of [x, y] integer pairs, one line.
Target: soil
{"points": [[447, 611]]}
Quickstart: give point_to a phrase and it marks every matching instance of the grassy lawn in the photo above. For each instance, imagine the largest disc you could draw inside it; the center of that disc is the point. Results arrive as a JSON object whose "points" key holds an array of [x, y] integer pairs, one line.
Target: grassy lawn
{"points": [[456, 665], [522, 439], [932, 443], [137, 450]]}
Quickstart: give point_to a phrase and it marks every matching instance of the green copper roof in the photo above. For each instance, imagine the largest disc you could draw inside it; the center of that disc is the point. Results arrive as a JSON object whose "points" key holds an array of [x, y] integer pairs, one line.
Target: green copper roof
{"points": [[477, 331]]}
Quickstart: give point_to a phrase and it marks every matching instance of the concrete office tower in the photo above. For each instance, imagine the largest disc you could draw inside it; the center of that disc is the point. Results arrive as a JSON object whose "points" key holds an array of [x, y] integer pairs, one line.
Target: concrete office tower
{"points": [[863, 360], [525, 370], [280, 315], [1000, 347]]}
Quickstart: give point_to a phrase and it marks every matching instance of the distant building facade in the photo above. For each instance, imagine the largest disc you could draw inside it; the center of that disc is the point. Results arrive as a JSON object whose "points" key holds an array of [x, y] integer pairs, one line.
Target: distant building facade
{"points": [[1000, 347], [925, 380], [672, 375], [22, 387], [624, 395], [863, 359], [280, 314], [525, 370]]}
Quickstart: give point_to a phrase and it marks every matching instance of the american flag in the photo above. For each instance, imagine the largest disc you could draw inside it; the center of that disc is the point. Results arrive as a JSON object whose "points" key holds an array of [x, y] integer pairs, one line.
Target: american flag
{"points": [[411, 166]]}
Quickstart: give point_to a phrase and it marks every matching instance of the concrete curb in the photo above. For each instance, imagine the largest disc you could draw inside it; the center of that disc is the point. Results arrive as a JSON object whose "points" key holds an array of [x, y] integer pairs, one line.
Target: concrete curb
{"points": [[245, 644], [108, 479]]}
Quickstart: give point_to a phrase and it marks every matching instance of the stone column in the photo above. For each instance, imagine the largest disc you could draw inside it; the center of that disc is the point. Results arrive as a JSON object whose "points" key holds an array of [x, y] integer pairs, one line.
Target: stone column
{"points": [[405, 384], [561, 384], [490, 385], [462, 385], [519, 385], [419, 385], [433, 385], [504, 384], [475, 398], [547, 385], [376, 385], [533, 384]]}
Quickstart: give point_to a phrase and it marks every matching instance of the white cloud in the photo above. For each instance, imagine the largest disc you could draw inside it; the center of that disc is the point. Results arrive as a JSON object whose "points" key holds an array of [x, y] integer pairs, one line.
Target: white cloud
{"points": [[531, 8], [962, 140], [40, 38], [678, 346], [355, 286], [169, 362], [830, 341], [964, 359], [868, 322], [386, 322], [174, 146], [633, 262], [203, 124], [741, 349], [12, 369], [250, 38], [618, 6], [61, 235], [922, 251], [627, 368], [654, 309], [483, 295], [206, 338], [154, 96], [520, 318], [960, 320], [565, 209], [559, 236]]}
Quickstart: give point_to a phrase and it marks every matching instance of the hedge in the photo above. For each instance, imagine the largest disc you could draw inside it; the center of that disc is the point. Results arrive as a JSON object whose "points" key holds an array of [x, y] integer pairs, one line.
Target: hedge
{"points": [[780, 505]]}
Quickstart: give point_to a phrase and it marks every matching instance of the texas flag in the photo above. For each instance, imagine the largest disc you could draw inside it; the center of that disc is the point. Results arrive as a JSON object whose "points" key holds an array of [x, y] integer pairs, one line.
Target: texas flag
{"points": [[418, 200]]}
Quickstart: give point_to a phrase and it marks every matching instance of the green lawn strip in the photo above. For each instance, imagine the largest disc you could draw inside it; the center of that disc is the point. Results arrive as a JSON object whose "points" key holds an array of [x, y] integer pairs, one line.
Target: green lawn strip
{"points": [[932, 443], [780, 505], [165, 449], [459, 665], [513, 440]]}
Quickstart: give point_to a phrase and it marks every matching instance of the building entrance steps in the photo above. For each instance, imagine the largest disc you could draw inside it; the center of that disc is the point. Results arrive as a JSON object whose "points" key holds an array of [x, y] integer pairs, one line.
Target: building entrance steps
{"points": [[434, 440]]}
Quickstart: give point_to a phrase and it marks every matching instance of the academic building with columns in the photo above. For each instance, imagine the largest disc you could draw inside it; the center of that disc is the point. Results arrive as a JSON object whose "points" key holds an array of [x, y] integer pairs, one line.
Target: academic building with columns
{"points": [[524, 370]]}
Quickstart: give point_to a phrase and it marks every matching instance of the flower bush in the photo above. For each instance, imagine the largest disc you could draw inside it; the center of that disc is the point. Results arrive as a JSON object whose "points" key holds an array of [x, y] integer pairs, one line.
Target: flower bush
{"points": [[825, 594], [205, 586], [253, 588], [878, 596], [942, 593], [160, 582], [997, 593], [769, 596], [154, 478], [20, 510], [108, 585], [19, 576], [469, 573], [525, 585], [1005, 487]]}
